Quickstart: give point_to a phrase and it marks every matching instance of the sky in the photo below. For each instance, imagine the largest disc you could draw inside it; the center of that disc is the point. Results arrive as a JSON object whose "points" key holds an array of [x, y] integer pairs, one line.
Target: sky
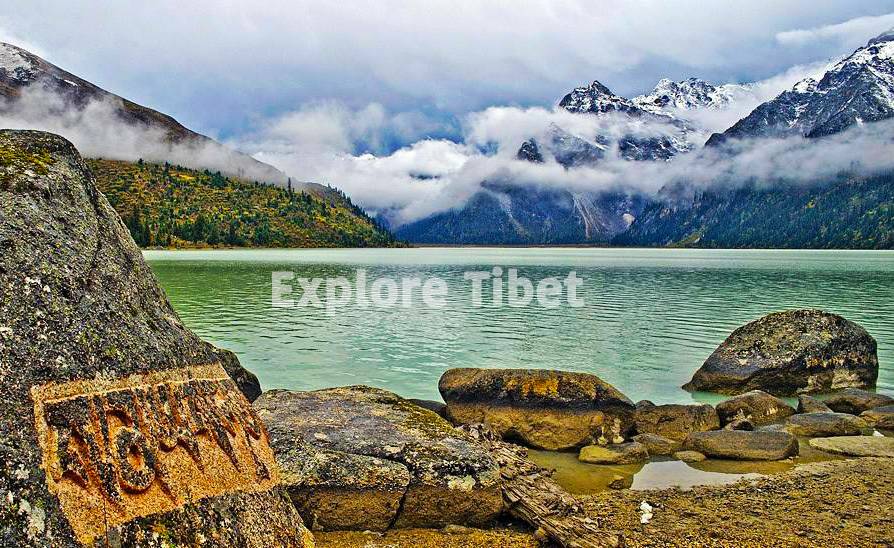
{"points": [[359, 94]]}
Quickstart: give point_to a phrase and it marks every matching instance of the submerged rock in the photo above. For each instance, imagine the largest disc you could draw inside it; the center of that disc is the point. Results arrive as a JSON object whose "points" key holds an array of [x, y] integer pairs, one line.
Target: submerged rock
{"points": [[452, 479], [756, 406], [855, 401], [622, 453], [675, 421], [856, 446], [786, 353], [880, 417], [742, 445], [540, 408], [117, 424], [809, 404], [825, 425], [658, 445]]}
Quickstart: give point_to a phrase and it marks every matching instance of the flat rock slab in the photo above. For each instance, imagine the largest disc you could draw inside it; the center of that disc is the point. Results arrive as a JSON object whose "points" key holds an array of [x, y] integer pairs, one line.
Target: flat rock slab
{"points": [[756, 406], [623, 453], [856, 401], [825, 425], [856, 446], [117, 424], [543, 409], [675, 421], [743, 445], [791, 352], [452, 479]]}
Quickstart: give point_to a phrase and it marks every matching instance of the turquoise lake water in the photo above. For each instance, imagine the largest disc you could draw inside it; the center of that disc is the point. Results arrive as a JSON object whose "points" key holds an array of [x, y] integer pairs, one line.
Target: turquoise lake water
{"points": [[650, 319]]}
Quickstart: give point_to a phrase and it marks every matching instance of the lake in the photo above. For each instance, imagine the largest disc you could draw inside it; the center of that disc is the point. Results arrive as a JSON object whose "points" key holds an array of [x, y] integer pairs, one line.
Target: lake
{"points": [[651, 316]]}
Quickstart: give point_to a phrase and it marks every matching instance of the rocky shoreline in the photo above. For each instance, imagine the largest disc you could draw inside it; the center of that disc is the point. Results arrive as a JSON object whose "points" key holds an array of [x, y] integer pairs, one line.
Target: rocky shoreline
{"points": [[121, 427]]}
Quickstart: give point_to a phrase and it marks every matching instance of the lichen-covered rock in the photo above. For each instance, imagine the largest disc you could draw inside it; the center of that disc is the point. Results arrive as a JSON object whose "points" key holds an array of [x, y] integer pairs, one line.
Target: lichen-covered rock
{"points": [[675, 421], [856, 446], [743, 445], [690, 456], [739, 424], [792, 352], [822, 425], [622, 453], [658, 445], [809, 404], [117, 424], [540, 408], [880, 417], [452, 479], [756, 406], [855, 401]]}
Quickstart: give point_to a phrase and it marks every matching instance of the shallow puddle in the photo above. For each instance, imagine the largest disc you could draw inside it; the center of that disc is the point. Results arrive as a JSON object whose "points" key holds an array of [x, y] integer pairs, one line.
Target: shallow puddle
{"points": [[662, 472]]}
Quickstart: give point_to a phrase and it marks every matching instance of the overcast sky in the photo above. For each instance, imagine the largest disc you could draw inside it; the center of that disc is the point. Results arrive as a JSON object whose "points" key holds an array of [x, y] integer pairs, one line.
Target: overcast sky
{"points": [[222, 66]]}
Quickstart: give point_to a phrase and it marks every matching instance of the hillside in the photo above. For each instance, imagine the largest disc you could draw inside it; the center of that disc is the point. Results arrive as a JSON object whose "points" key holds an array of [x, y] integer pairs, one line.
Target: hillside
{"points": [[855, 213], [171, 206]]}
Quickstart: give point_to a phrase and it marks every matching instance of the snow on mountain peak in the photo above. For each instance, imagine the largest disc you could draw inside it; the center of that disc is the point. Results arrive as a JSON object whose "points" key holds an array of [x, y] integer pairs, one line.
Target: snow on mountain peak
{"points": [[15, 64], [689, 94], [595, 98], [887, 36]]}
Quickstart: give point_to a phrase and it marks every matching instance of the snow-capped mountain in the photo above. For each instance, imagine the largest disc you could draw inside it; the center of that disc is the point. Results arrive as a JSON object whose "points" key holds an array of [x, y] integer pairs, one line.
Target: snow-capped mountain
{"points": [[857, 90], [566, 149], [689, 94], [22, 72]]}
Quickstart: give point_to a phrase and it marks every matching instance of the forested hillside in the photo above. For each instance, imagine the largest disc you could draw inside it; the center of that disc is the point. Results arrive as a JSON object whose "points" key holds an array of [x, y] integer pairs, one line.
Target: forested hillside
{"points": [[171, 206], [853, 213]]}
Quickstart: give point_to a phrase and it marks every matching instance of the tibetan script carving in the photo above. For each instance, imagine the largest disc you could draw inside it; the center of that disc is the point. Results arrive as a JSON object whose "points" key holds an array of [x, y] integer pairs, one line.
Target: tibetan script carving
{"points": [[115, 450]]}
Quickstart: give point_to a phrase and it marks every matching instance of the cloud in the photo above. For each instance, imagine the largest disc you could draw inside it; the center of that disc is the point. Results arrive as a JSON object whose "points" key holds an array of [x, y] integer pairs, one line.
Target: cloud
{"points": [[851, 33]]}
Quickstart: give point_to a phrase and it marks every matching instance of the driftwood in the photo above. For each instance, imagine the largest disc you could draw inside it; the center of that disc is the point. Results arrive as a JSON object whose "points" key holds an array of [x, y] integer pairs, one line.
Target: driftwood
{"points": [[531, 495]]}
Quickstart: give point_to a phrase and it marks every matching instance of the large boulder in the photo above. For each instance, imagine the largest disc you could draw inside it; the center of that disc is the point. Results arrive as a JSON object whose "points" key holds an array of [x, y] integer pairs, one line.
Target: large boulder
{"points": [[743, 445], [756, 406], [819, 425], [880, 417], [792, 352], [540, 408], [436, 474], [675, 421], [856, 446], [855, 401], [118, 425]]}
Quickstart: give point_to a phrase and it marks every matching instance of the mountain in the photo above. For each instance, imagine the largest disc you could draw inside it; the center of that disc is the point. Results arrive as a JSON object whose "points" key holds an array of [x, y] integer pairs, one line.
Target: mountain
{"points": [[857, 90], [508, 214], [172, 206], [22, 72], [850, 213], [689, 94]]}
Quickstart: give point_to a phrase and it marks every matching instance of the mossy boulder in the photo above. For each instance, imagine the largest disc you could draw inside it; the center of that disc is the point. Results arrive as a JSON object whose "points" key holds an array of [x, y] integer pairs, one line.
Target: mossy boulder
{"points": [[117, 423], [544, 409], [743, 445], [622, 453], [791, 352], [756, 406], [675, 421], [438, 474], [824, 425]]}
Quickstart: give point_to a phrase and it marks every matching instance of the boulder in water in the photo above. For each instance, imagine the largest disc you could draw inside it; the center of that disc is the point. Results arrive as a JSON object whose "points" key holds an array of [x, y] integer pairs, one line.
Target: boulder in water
{"points": [[856, 446], [117, 423], [540, 408], [792, 352], [819, 425], [622, 453], [809, 404], [742, 445], [756, 406], [675, 421], [855, 401], [658, 445]]}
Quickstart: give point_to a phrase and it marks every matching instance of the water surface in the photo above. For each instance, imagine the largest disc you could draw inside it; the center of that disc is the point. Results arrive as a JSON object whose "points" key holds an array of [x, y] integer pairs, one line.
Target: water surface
{"points": [[650, 320]]}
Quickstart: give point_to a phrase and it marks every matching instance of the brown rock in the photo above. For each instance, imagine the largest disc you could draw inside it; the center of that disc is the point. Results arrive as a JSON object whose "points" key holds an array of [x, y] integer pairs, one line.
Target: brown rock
{"points": [[809, 404], [539, 408], [658, 445], [742, 445], [690, 456], [856, 446], [757, 406], [880, 417], [818, 425], [855, 401], [622, 453], [675, 421]]}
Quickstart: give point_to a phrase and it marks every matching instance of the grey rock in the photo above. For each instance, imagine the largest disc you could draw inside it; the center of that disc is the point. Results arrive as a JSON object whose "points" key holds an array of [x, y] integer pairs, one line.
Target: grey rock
{"points": [[855, 401], [756, 406], [453, 480], [880, 417], [856, 446], [742, 445], [825, 425], [140, 425], [675, 421], [791, 352], [658, 445]]}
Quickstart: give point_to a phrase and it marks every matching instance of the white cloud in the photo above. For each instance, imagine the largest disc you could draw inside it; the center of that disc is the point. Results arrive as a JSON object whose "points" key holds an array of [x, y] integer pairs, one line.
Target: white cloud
{"points": [[851, 33]]}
